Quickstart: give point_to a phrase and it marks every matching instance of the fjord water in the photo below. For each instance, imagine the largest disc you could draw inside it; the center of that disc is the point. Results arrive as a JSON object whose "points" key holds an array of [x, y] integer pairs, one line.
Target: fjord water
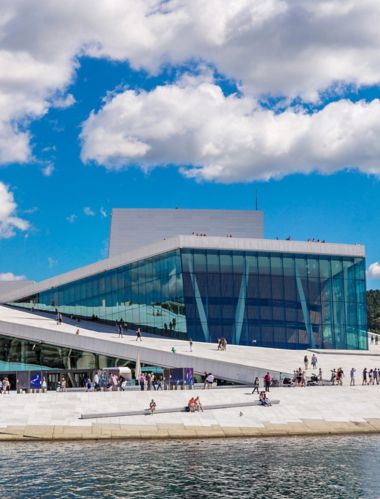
{"points": [[312, 467]]}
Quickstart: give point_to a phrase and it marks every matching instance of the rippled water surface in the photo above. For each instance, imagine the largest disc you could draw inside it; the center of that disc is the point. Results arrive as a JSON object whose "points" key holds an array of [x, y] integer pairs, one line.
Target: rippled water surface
{"points": [[329, 467]]}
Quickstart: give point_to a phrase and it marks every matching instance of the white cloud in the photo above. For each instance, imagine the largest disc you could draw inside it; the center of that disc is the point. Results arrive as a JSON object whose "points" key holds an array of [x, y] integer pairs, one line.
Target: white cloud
{"points": [[88, 211], [214, 137], [52, 262], [9, 222], [63, 102], [9, 276], [48, 170], [71, 218], [289, 48], [373, 271], [103, 212]]}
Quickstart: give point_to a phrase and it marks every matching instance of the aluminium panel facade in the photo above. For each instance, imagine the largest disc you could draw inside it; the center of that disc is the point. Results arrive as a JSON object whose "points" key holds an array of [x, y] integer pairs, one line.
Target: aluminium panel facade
{"points": [[134, 228]]}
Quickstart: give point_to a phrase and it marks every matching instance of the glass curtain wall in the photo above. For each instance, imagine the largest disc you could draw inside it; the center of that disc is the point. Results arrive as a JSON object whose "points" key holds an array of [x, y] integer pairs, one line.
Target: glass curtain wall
{"points": [[147, 293], [16, 350], [275, 300], [250, 298]]}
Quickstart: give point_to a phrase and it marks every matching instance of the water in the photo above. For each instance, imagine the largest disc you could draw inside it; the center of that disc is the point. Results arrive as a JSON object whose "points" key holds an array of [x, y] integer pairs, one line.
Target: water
{"points": [[323, 468]]}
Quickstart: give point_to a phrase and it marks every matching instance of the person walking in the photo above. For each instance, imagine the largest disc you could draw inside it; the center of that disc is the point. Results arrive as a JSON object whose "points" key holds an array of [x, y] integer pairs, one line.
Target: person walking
{"points": [[63, 384], [364, 382], [352, 376], [267, 380], [376, 376], [142, 382], [148, 382], [339, 376], [121, 327], [138, 334], [256, 385], [205, 382], [306, 362], [159, 383], [191, 344], [209, 380], [96, 382], [314, 361]]}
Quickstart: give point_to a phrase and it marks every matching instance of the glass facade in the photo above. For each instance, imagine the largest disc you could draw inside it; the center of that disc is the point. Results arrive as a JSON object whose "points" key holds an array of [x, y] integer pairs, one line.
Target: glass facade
{"points": [[279, 300], [27, 353], [275, 300], [18, 356], [147, 293]]}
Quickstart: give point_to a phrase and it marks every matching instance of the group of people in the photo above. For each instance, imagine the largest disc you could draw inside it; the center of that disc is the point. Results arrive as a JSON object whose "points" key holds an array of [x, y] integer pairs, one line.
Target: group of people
{"points": [[263, 397], [122, 328], [267, 383], [105, 381], [374, 339], [300, 379], [313, 362], [370, 377], [264, 400], [149, 380], [194, 404], [337, 376]]}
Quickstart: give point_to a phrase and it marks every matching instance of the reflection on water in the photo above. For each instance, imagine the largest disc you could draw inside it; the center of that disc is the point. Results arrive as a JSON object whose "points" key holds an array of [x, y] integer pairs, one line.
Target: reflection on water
{"points": [[329, 467]]}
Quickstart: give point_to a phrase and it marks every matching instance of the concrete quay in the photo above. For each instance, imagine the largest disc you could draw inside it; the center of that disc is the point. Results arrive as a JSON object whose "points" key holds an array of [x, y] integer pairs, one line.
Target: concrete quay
{"points": [[321, 410]]}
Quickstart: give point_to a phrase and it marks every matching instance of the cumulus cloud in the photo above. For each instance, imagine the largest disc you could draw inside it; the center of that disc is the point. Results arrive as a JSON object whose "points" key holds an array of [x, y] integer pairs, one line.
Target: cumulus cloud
{"points": [[229, 138], [48, 170], [285, 48], [88, 211], [63, 102], [9, 222], [373, 271], [9, 276]]}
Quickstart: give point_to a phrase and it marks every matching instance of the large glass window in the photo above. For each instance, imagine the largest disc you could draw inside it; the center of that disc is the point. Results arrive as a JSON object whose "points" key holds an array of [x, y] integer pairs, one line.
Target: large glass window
{"points": [[271, 299], [278, 300]]}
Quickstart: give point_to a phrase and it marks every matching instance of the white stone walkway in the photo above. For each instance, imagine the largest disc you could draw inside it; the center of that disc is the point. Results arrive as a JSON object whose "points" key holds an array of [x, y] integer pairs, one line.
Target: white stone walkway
{"points": [[309, 410]]}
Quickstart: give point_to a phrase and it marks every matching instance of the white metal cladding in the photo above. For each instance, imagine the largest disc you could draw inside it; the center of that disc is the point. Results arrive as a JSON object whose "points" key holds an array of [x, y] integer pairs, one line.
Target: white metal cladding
{"points": [[196, 242], [8, 286], [133, 228]]}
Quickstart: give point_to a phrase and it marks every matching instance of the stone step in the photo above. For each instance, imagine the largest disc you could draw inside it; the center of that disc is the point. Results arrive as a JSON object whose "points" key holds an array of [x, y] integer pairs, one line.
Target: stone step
{"points": [[169, 410]]}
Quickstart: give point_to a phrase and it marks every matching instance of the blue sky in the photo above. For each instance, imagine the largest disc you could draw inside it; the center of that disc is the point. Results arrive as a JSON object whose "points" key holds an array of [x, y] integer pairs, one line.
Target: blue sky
{"points": [[113, 127]]}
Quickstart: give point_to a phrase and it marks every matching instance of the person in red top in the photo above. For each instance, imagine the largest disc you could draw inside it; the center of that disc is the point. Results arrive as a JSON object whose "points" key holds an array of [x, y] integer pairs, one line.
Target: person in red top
{"points": [[267, 380]]}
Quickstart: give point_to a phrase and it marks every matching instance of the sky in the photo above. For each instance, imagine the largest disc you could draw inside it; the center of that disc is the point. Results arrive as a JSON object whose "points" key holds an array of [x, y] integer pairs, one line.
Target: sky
{"points": [[189, 104]]}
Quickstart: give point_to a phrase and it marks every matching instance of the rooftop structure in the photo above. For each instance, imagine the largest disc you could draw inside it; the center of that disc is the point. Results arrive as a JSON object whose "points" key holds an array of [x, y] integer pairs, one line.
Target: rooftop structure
{"points": [[135, 228]]}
